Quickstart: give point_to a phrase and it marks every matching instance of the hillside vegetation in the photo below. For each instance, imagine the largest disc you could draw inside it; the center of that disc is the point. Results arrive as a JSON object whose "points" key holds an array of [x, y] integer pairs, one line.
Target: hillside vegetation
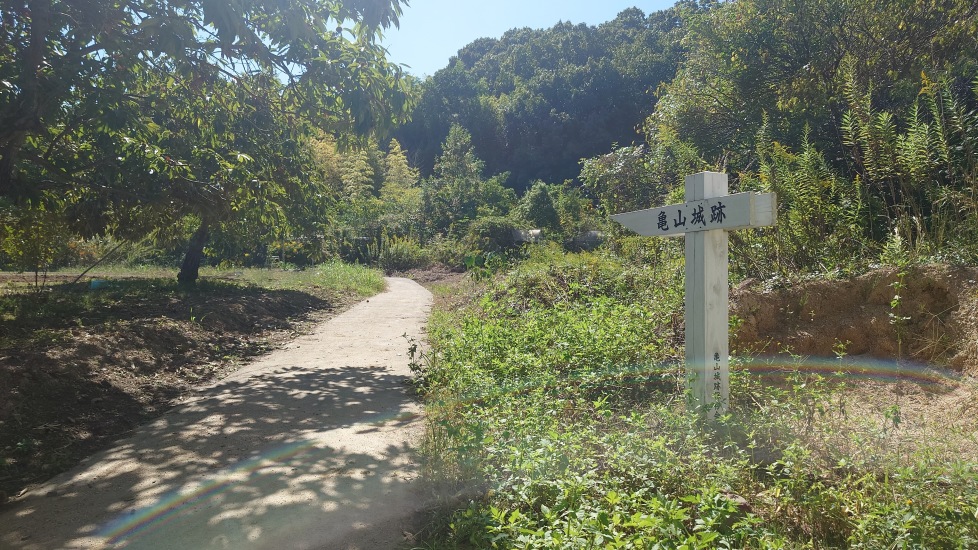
{"points": [[538, 101], [861, 116], [557, 419]]}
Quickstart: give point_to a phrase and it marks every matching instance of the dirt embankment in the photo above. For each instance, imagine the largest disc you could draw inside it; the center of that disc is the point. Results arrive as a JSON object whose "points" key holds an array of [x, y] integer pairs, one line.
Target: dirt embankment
{"points": [[928, 314]]}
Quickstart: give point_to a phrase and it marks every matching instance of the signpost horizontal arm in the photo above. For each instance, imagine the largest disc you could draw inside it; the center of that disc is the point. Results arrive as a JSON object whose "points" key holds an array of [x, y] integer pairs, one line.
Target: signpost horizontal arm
{"points": [[729, 212]]}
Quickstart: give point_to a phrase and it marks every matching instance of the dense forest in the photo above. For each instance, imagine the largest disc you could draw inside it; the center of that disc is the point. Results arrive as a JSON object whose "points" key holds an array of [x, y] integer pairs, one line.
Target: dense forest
{"points": [[861, 118], [230, 135], [536, 102]]}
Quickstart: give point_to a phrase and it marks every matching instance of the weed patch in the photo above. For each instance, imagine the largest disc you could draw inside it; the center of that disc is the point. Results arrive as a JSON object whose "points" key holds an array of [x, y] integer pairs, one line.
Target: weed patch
{"points": [[557, 420]]}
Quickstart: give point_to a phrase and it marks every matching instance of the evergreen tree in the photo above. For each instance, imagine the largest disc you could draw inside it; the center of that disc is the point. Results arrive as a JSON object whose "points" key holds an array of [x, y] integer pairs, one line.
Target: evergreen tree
{"points": [[537, 208]]}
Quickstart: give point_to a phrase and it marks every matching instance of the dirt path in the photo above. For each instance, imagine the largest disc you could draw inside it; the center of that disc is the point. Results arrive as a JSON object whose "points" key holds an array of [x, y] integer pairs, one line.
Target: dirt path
{"points": [[309, 447]]}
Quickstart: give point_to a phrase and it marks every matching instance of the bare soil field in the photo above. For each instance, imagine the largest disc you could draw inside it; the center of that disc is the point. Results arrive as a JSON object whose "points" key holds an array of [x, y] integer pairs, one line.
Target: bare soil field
{"points": [[926, 314], [906, 342]]}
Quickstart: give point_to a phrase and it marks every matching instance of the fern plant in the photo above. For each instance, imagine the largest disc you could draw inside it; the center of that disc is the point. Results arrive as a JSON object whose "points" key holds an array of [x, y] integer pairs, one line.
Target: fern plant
{"points": [[922, 165], [821, 216]]}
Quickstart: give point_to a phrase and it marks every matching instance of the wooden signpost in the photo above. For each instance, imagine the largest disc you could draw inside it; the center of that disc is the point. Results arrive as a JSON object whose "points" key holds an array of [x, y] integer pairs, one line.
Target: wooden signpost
{"points": [[704, 220]]}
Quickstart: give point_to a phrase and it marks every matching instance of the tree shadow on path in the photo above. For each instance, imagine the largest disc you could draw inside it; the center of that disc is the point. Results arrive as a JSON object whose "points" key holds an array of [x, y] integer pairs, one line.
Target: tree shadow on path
{"points": [[312, 453]]}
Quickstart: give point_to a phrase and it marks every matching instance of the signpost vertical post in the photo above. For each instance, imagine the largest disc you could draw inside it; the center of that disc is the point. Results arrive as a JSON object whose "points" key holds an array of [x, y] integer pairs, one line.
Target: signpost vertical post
{"points": [[707, 343], [706, 217]]}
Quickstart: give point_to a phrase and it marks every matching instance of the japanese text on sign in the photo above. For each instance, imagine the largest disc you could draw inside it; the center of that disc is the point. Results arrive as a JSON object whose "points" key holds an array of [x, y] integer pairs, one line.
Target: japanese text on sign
{"points": [[728, 212], [695, 214], [717, 374]]}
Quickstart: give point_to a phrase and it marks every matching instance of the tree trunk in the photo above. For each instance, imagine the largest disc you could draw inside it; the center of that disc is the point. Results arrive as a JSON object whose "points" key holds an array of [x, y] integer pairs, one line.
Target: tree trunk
{"points": [[190, 270], [22, 116]]}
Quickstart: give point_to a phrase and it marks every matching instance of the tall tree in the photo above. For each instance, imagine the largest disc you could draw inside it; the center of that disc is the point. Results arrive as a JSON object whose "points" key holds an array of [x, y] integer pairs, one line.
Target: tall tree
{"points": [[401, 193], [537, 208], [457, 193], [80, 87]]}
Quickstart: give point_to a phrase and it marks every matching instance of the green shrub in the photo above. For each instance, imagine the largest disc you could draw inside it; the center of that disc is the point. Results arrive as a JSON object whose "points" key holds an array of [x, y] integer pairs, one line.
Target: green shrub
{"points": [[491, 234], [447, 251], [350, 278], [401, 254], [549, 276], [33, 238], [822, 218], [537, 209]]}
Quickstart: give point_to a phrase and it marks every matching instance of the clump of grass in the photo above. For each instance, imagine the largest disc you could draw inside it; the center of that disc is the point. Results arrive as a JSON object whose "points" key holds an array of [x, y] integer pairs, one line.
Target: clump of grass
{"points": [[350, 278], [393, 254]]}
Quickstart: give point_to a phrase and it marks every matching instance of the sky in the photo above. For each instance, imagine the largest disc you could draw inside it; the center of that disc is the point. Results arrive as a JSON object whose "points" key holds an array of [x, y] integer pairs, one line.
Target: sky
{"points": [[432, 31]]}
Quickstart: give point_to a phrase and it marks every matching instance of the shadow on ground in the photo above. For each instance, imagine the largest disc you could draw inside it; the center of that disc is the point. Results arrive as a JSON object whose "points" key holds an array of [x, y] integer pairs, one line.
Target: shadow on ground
{"points": [[80, 368], [257, 461]]}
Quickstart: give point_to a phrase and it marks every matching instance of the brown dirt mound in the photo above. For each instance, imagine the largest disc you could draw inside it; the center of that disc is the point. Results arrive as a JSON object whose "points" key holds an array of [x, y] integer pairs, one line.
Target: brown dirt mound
{"points": [[934, 320]]}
